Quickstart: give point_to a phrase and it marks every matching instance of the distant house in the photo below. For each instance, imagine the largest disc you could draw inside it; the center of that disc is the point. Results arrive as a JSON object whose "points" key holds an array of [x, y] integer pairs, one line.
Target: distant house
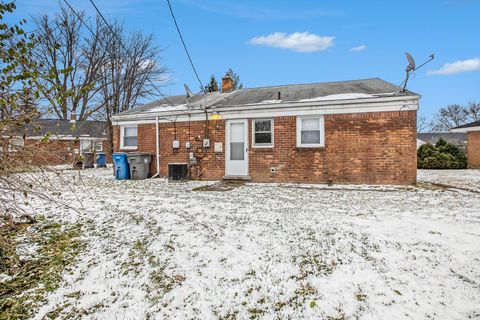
{"points": [[53, 141], [361, 131], [458, 138], [473, 142]]}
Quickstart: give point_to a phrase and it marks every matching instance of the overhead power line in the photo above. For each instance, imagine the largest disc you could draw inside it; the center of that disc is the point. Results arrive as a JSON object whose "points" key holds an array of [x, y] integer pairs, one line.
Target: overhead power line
{"points": [[184, 45], [120, 42], [123, 46]]}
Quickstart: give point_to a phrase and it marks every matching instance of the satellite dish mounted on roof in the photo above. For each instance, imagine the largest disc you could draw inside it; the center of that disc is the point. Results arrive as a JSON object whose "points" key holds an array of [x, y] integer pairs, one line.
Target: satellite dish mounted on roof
{"points": [[412, 67], [188, 91]]}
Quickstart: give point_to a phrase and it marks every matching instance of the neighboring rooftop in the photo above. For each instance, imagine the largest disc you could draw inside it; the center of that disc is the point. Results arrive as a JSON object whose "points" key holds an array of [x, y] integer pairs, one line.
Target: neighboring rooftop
{"points": [[41, 127], [459, 139], [340, 90], [468, 125]]}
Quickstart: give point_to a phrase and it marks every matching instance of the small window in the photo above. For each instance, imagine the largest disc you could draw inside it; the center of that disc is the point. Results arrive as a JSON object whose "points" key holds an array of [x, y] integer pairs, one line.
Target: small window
{"points": [[128, 137], [98, 146], [310, 132], [85, 146], [16, 144], [262, 133]]}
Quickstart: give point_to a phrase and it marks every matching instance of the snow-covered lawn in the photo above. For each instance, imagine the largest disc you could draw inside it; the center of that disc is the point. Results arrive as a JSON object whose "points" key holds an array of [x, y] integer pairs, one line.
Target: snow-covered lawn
{"points": [[162, 250]]}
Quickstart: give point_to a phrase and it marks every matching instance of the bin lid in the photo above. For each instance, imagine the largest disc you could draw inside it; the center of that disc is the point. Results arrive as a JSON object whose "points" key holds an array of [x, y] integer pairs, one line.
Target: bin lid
{"points": [[136, 154]]}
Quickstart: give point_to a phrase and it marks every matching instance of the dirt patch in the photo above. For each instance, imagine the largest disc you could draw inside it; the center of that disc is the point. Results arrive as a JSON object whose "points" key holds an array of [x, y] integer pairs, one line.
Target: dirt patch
{"points": [[220, 186], [443, 187]]}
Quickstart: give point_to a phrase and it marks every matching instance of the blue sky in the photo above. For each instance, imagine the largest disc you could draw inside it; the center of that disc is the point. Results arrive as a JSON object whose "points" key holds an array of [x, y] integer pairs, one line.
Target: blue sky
{"points": [[284, 42]]}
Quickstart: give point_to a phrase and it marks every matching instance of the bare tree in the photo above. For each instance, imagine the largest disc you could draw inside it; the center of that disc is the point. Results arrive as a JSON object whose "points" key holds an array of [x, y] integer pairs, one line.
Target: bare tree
{"points": [[449, 117], [473, 110], [70, 64], [423, 125], [132, 71], [18, 105]]}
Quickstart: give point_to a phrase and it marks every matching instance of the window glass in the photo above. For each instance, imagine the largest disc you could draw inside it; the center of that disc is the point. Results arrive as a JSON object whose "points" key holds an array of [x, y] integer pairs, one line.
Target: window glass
{"points": [[85, 146], [130, 131], [263, 132], [98, 146], [15, 144], [310, 131], [263, 138], [310, 124], [236, 151], [263, 125], [236, 132], [310, 137], [130, 136]]}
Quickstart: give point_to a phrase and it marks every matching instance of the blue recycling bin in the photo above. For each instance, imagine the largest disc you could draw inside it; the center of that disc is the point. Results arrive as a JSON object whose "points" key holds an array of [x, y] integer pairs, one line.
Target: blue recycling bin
{"points": [[101, 160], [122, 170]]}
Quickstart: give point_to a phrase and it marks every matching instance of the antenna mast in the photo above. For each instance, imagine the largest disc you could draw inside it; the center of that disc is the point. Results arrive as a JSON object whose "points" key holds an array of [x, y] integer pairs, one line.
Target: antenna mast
{"points": [[411, 67]]}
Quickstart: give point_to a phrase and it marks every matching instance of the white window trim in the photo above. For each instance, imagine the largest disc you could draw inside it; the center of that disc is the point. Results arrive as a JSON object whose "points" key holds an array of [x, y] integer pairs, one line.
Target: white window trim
{"points": [[122, 132], [101, 145], [263, 145], [322, 132], [12, 147]]}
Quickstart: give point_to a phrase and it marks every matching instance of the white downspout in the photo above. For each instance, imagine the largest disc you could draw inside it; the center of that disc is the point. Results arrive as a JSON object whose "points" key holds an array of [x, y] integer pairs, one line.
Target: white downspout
{"points": [[157, 140]]}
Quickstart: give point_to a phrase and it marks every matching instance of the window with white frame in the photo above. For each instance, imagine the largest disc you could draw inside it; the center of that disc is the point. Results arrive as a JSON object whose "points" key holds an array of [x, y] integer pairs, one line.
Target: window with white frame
{"points": [[85, 146], [128, 137], [98, 146], [262, 133], [16, 144], [310, 132]]}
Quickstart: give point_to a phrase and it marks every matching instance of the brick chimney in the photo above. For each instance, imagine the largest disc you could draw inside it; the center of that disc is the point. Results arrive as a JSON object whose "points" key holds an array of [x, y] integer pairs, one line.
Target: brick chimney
{"points": [[227, 83]]}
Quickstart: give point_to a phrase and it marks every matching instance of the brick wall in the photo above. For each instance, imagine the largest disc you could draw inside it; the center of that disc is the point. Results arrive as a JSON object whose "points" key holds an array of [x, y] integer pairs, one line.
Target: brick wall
{"points": [[53, 152], [473, 149], [374, 148]]}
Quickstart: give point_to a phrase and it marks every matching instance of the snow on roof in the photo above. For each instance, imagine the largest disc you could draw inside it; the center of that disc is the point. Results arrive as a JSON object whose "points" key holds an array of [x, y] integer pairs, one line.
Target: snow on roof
{"points": [[353, 89]]}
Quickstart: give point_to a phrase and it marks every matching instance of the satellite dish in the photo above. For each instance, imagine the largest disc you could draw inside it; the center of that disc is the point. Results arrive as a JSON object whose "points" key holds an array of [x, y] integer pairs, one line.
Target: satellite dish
{"points": [[412, 67], [411, 62], [189, 92]]}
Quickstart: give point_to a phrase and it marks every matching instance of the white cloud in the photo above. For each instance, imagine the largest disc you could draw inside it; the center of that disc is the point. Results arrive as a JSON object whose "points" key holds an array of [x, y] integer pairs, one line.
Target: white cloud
{"points": [[298, 41], [359, 48], [458, 67]]}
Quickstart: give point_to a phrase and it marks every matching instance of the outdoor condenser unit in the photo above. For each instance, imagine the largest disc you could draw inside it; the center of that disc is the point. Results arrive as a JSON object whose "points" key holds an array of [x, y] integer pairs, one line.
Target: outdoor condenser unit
{"points": [[177, 171]]}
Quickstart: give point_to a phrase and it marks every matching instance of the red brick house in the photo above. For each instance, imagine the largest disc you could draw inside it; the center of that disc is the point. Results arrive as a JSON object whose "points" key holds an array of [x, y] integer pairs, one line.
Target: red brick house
{"points": [[53, 141], [361, 131], [473, 142]]}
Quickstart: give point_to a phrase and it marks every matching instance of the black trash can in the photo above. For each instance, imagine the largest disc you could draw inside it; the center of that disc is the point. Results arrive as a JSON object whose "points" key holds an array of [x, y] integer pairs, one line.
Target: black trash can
{"points": [[139, 165]]}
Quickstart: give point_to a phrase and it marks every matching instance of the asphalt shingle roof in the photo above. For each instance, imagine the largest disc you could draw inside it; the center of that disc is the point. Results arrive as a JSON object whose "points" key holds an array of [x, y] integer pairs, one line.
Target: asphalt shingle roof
{"points": [[459, 139], [41, 127], [288, 93], [469, 125]]}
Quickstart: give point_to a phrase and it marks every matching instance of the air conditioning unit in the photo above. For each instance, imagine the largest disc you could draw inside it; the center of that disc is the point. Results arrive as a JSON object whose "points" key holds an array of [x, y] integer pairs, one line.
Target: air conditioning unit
{"points": [[177, 171]]}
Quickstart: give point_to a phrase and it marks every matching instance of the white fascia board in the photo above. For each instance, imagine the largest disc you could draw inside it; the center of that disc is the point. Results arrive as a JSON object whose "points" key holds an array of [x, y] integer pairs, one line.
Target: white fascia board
{"points": [[464, 130], [278, 110]]}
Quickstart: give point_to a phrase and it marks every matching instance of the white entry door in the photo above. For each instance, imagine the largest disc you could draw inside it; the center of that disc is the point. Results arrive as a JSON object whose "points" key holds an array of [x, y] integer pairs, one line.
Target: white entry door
{"points": [[236, 147]]}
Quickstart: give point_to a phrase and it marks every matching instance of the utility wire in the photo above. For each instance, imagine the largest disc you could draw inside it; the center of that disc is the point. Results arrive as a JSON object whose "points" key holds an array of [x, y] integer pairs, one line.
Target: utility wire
{"points": [[184, 45], [126, 49], [120, 42]]}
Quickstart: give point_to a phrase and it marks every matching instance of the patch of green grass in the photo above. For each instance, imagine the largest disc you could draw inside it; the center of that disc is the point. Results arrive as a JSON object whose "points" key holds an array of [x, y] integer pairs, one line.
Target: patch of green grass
{"points": [[31, 278]]}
